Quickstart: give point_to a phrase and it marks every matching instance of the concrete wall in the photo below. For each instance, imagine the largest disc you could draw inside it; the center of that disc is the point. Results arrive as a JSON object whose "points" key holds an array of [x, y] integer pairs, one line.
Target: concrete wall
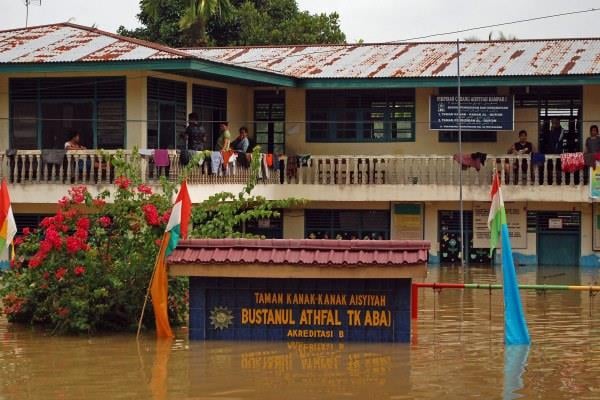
{"points": [[426, 141]]}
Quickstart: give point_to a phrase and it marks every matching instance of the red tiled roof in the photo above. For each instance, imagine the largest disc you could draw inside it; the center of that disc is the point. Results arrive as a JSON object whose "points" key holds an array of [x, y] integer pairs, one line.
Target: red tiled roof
{"points": [[300, 252]]}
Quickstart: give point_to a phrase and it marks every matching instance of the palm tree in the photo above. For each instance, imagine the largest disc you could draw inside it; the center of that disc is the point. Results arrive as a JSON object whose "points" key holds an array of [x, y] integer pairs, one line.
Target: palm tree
{"points": [[194, 16]]}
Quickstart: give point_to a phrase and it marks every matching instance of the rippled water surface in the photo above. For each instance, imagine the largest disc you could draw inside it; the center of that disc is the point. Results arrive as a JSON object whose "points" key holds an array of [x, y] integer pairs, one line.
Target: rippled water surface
{"points": [[456, 352]]}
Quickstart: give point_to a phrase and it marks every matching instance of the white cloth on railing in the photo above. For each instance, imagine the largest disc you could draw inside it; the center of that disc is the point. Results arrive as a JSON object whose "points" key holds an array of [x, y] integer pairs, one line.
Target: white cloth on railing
{"points": [[146, 152], [216, 161]]}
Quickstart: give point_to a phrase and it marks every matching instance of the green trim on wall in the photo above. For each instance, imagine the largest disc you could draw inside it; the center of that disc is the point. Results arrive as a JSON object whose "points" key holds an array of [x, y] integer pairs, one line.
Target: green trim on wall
{"points": [[207, 68], [243, 75], [390, 83]]}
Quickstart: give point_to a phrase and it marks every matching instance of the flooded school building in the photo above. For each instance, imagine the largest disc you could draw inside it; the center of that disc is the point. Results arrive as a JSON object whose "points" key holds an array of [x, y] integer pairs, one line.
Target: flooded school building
{"points": [[364, 133]]}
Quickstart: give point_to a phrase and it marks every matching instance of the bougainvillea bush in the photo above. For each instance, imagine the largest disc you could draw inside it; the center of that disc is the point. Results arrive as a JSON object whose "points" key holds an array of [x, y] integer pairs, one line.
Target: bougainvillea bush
{"points": [[88, 267]]}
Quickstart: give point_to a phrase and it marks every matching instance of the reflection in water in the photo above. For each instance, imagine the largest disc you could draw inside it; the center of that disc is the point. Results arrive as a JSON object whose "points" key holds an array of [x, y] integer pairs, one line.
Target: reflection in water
{"points": [[515, 361], [459, 354]]}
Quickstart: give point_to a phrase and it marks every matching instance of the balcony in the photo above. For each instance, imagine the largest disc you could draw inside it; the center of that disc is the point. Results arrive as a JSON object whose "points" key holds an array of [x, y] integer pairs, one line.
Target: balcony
{"points": [[320, 178]]}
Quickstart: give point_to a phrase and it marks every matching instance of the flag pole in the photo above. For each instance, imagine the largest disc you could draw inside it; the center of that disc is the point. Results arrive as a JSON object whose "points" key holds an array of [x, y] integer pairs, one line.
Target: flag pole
{"points": [[139, 328], [463, 245]]}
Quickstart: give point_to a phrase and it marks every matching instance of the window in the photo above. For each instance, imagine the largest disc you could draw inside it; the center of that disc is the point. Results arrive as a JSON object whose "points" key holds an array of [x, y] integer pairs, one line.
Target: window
{"points": [[210, 103], [166, 112], [269, 117], [561, 102], [347, 224], [269, 228], [468, 136], [360, 115], [45, 110]]}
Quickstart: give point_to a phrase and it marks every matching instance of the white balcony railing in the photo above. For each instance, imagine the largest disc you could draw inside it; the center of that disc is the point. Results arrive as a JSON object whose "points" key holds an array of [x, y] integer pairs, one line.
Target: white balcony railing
{"points": [[89, 167]]}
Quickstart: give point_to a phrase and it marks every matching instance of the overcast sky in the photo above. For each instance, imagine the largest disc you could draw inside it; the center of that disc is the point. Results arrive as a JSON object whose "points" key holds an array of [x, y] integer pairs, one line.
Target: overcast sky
{"points": [[372, 21]]}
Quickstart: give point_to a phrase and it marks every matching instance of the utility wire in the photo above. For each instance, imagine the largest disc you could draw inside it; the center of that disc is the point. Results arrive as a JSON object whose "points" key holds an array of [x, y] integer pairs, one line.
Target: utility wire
{"points": [[518, 21], [336, 47]]}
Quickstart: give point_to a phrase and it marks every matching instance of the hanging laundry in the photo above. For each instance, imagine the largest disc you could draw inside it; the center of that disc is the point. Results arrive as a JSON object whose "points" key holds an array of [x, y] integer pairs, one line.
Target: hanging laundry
{"points": [[265, 166], [269, 160], [538, 158], [216, 161], [161, 158], [473, 160], [291, 168], [303, 160], [52, 156], [572, 162], [227, 158]]}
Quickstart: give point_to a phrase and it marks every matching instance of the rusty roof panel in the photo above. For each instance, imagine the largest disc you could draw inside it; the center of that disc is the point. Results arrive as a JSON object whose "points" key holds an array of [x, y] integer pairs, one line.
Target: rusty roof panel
{"points": [[72, 43], [300, 252], [418, 60]]}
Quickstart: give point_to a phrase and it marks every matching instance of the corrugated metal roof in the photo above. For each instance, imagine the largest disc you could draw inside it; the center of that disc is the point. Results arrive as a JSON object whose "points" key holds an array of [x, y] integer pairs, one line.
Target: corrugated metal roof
{"points": [[346, 253], [418, 60], [67, 42]]}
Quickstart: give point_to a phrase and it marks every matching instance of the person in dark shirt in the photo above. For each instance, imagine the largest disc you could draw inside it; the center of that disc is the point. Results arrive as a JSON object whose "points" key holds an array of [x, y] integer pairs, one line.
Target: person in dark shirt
{"points": [[592, 144], [196, 134], [553, 139], [522, 147]]}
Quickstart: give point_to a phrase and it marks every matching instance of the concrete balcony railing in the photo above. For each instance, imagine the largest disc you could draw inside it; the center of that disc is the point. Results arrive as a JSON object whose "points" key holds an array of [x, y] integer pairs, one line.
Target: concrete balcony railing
{"points": [[90, 167]]}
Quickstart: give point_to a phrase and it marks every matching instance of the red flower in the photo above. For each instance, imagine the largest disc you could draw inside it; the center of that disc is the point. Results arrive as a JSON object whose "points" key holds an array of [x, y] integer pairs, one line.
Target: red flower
{"points": [[151, 214], [104, 221], [46, 275], [78, 193], [157, 242], [34, 262], [83, 224], [54, 238], [62, 312], [79, 270], [165, 217], [18, 241], [45, 246], [60, 273], [144, 189], [64, 201], [73, 244], [26, 231], [81, 235], [99, 203], [122, 182]]}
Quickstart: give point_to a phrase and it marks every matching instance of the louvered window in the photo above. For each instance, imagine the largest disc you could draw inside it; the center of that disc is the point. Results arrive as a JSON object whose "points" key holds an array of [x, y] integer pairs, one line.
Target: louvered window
{"points": [[44, 111], [360, 115], [347, 224], [210, 103], [166, 113]]}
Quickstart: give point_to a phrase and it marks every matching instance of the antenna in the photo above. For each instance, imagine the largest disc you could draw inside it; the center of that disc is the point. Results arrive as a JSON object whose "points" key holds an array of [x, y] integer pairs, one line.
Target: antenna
{"points": [[27, 4]]}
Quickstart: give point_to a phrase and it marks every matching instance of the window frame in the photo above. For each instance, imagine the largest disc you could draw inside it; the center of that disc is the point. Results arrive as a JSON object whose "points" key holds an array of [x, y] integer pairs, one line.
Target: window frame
{"points": [[38, 98], [179, 109], [332, 215], [357, 105]]}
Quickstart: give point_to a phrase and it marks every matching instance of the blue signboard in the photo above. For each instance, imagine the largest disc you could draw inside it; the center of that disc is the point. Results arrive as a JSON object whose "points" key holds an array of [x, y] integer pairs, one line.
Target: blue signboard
{"points": [[370, 310], [478, 113]]}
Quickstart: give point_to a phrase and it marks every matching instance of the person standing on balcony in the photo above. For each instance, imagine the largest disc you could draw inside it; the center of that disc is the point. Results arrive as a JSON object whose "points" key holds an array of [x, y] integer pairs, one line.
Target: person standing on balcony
{"points": [[74, 142], [241, 143], [552, 143], [224, 141], [196, 134], [592, 144], [522, 147]]}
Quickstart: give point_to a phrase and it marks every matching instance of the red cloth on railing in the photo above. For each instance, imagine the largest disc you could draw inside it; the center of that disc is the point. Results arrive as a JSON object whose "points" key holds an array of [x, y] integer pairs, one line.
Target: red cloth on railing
{"points": [[471, 160], [572, 162], [161, 157], [226, 156]]}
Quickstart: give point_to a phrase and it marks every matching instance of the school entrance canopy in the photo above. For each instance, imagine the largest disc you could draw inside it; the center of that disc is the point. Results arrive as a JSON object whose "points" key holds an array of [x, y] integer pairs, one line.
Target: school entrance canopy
{"points": [[303, 258]]}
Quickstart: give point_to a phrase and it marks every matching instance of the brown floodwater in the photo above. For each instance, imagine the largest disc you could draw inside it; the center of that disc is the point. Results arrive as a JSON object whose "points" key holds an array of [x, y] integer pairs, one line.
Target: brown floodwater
{"points": [[457, 352]]}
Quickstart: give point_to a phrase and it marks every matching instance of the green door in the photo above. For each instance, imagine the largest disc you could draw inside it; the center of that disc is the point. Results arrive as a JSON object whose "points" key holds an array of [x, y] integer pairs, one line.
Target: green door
{"points": [[560, 248]]}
